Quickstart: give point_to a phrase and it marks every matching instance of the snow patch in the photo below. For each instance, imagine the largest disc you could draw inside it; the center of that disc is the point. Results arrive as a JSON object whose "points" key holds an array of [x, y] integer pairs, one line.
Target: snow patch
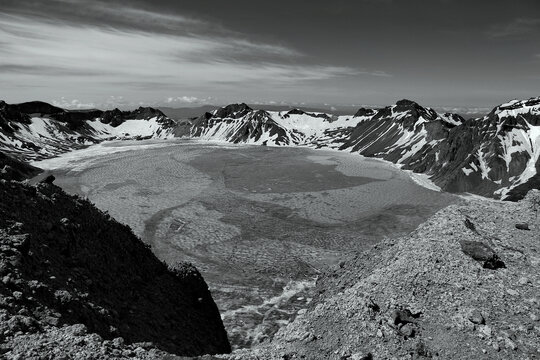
{"points": [[467, 171]]}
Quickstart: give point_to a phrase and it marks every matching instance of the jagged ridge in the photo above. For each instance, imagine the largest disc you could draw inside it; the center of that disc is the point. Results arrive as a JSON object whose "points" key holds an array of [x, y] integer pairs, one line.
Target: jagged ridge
{"points": [[35, 130], [495, 156]]}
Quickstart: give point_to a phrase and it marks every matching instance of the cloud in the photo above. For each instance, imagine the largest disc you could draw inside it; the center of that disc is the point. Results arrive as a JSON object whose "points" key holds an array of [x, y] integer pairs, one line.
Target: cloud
{"points": [[187, 100], [516, 27], [88, 48], [37, 69], [103, 14], [72, 104], [123, 57], [121, 102], [464, 111]]}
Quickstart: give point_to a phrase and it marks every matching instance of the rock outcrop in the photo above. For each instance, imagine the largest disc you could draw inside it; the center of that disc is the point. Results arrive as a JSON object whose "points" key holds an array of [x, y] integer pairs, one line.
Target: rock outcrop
{"points": [[495, 156], [74, 281], [238, 123], [37, 130], [13, 169]]}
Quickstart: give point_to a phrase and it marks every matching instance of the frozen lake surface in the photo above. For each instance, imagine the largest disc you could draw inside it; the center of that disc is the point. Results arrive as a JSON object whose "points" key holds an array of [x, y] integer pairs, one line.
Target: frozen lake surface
{"points": [[259, 222]]}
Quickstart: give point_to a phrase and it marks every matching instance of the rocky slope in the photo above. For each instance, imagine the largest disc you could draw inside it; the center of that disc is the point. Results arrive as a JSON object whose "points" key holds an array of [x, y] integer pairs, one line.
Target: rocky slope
{"points": [[495, 156], [13, 169], [238, 123], [465, 284], [36, 130], [77, 284]]}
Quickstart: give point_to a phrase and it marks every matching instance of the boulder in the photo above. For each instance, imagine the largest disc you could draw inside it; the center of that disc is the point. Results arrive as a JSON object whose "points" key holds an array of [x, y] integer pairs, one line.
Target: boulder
{"points": [[482, 253]]}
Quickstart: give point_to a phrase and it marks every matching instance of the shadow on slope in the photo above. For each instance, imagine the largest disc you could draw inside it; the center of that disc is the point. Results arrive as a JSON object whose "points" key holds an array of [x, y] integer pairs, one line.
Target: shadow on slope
{"points": [[63, 262]]}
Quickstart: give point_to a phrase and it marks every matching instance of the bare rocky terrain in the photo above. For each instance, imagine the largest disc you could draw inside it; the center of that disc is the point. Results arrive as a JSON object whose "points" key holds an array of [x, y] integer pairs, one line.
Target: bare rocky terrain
{"points": [[76, 284], [12, 168], [465, 284]]}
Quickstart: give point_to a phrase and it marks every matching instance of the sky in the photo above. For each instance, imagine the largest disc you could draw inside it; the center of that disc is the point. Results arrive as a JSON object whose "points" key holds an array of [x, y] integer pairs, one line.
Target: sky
{"points": [[106, 54]]}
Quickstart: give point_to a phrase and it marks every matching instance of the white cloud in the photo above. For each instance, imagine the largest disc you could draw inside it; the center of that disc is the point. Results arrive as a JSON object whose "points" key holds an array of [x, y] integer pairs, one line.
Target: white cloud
{"points": [[72, 104], [129, 57], [85, 62], [187, 100]]}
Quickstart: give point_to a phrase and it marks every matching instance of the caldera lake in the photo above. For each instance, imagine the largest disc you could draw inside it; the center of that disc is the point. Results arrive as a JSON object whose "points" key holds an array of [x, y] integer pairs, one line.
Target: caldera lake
{"points": [[260, 223]]}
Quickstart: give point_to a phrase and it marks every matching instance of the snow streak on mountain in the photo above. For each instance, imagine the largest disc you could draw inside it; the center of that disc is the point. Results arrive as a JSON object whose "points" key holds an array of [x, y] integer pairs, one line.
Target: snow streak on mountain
{"points": [[38, 130], [496, 155]]}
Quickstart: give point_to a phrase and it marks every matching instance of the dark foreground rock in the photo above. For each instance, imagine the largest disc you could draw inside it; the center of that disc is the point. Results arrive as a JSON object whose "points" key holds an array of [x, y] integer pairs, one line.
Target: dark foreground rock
{"points": [[13, 169], [482, 253], [422, 297], [74, 283]]}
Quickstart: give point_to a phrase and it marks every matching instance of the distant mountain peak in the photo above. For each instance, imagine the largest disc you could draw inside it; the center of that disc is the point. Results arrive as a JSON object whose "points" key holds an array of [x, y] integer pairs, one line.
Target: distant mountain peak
{"points": [[365, 112], [296, 112], [234, 111], [406, 102], [495, 155]]}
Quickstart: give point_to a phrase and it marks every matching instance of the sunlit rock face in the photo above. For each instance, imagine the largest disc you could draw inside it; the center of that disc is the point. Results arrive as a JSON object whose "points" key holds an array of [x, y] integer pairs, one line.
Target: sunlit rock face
{"points": [[37, 130], [494, 156]]}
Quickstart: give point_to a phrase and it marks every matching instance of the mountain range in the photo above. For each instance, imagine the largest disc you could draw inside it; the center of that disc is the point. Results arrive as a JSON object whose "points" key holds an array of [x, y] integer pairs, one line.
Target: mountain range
{"points": [[495, 155]]}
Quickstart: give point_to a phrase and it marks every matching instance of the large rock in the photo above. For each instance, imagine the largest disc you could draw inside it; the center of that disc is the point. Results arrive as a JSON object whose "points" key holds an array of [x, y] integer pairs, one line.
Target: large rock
{"points": [[482, 253]]}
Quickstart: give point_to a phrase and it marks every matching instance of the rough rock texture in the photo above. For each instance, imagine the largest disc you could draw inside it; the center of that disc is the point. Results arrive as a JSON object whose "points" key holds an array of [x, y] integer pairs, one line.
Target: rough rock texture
{"points": [[423, 297], [495, 155], [37, 130], [365, 112], [13, 169], [71, 277], [238, 123], [313, 115]]}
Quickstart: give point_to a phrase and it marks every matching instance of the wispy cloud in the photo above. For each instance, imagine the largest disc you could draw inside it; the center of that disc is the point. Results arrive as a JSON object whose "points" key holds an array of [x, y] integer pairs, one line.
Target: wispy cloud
{"points": [[72, 104], [182, 100], [140, 56], [112, 101], [7, 68], [516, 27], [101, 47]]}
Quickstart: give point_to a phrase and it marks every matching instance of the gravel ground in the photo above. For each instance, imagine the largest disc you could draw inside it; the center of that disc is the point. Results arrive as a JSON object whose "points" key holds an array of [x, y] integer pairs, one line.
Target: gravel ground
{"points": [[428, 295]]}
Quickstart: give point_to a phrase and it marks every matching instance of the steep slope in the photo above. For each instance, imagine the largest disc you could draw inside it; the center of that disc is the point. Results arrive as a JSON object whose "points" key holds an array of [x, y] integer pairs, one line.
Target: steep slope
{"points": [[396, 133], [36, 130], [13, 169], [65, 263], [495, 156], [238, 123], [430, 294]]}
